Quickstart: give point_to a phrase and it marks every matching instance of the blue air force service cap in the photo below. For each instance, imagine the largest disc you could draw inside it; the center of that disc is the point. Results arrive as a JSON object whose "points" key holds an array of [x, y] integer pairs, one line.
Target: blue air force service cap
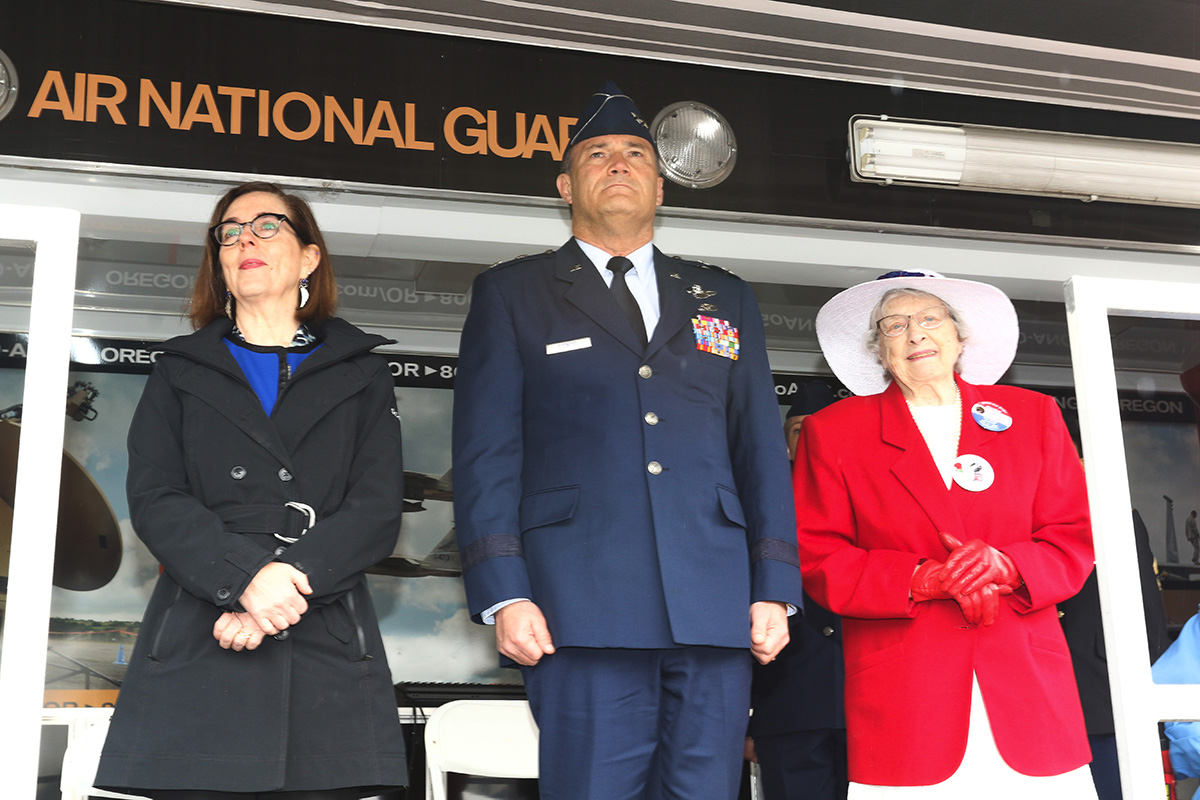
{"points": [[608, 112], [810, 398]]}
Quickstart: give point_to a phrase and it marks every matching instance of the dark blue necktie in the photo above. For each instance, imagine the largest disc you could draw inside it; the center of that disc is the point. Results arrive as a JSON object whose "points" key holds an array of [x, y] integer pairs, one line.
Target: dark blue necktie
{"points": [[619, 265]]}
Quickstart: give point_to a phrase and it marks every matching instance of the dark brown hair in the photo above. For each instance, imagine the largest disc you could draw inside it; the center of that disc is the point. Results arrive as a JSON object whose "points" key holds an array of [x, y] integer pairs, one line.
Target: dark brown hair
{"points": [[208, 295]]}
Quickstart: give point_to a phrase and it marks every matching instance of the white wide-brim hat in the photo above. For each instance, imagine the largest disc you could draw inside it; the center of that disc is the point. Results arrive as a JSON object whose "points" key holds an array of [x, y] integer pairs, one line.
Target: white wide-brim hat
{"points": [[844, 322]]}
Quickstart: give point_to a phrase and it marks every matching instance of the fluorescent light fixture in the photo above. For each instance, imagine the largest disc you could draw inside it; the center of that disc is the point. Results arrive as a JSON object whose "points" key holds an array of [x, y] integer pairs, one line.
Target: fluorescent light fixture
{"points": [[1017, 161]]}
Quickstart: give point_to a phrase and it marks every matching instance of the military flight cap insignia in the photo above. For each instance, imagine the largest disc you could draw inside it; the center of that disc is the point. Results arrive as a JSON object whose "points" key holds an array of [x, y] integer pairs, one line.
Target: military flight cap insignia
{"points": [[699, 292]]}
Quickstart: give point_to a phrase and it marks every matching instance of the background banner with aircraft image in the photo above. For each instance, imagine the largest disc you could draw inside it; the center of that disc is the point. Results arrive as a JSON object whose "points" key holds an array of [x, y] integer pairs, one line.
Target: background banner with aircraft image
{"points": [[104, 575]]}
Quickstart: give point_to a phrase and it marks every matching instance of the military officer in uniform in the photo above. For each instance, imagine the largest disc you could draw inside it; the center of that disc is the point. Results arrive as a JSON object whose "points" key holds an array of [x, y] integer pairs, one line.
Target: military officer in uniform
{"points": [[621, 491]]}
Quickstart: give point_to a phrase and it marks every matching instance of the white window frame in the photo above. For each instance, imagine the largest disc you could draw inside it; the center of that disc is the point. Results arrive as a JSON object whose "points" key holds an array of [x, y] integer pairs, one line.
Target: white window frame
{"points": [[1138, 703], [55, 235]]}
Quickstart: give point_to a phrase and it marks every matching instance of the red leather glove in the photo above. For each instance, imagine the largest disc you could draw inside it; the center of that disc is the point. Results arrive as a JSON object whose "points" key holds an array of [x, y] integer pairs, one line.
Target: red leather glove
{"points": [[974, 565], [982, 607], [926, 585]]}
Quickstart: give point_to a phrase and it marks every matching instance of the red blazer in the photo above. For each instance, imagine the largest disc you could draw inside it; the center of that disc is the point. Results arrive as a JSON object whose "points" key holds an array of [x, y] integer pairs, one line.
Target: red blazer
{"points": [[869, 505]]}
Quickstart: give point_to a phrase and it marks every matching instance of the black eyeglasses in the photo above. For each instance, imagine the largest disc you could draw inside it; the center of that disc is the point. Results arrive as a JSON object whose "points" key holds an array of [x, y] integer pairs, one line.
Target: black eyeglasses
{"points": [[264, 226]]}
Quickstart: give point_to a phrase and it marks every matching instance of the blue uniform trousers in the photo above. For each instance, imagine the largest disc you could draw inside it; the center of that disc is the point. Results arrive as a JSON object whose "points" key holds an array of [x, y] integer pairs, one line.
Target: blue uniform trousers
{"points": [[623, 724]]}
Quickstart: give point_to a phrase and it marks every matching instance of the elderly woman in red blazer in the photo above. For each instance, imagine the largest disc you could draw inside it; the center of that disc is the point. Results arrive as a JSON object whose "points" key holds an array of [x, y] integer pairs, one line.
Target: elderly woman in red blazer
{"points": [[943, 517]]}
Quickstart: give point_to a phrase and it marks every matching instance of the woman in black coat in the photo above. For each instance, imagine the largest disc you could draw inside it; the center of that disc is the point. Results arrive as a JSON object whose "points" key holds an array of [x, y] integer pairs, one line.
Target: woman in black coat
{"points": [[265, 476]]}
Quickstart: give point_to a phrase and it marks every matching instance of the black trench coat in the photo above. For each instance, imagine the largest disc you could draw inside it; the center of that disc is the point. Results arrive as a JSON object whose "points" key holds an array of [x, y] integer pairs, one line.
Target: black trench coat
{"points": [[209, 474]]}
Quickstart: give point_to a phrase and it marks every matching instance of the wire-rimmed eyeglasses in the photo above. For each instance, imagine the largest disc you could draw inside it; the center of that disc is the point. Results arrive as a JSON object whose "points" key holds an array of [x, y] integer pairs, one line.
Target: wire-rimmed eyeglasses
{"points": [[927, 318], [264, 226]]}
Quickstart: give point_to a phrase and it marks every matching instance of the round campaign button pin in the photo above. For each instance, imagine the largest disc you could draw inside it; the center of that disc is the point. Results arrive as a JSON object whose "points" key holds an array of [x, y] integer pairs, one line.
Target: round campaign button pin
{"points": [[991, 417], [973, 473]]}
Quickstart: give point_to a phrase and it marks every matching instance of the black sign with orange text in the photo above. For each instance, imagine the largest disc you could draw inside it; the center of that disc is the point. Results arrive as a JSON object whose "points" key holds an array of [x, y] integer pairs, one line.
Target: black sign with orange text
{"points": [[174, 86]]}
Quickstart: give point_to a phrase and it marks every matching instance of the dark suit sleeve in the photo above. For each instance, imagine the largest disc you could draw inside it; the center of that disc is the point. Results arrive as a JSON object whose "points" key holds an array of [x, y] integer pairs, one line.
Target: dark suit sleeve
{"points": [[758, 453], [488, 452], [1157, 636], [188, 539]]}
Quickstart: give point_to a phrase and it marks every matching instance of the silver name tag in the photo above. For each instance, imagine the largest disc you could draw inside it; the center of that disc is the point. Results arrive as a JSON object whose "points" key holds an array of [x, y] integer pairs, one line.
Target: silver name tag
{"points": [[568, 346]]}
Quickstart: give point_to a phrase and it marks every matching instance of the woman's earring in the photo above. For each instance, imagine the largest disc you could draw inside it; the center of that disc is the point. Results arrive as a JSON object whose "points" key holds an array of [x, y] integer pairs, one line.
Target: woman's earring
{"points": [[228, 304], [303, 292]]}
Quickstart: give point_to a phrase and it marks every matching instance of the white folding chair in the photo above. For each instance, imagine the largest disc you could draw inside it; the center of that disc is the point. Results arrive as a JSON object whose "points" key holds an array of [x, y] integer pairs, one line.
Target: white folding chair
{"points": [[85, 741], [756, 792], [491, 738]]}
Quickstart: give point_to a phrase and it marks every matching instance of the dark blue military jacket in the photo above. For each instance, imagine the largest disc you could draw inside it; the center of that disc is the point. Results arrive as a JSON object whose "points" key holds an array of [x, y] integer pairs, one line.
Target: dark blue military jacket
{"points": [[639, 496]]}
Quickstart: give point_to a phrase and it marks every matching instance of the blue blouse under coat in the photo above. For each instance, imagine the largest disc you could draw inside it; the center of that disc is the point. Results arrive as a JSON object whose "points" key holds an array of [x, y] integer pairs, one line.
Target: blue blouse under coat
{"points": [[268, 369]]}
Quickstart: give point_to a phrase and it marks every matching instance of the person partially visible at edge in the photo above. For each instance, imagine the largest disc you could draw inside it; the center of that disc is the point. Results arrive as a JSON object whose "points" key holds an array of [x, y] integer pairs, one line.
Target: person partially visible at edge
{"points": [[943, 518], [797, 732], [1081, 622], [621, 493], [1192, 532], [265, 476]]}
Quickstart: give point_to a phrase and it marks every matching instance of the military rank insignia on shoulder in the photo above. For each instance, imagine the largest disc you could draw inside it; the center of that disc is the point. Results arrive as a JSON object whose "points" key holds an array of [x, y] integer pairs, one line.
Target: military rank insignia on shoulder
{"points": [[717, 267], [520, 258], [704, 265]]}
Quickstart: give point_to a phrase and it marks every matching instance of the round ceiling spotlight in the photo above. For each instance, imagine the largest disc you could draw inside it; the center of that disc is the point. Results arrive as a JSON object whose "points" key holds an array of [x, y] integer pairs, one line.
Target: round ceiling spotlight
{"points": [[696, 146], [8, 85]]}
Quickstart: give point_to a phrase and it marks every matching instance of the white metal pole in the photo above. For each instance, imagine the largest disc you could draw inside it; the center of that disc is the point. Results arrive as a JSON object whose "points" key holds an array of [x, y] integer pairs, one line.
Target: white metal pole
{"points": [[1138, 703], [55, 234]]}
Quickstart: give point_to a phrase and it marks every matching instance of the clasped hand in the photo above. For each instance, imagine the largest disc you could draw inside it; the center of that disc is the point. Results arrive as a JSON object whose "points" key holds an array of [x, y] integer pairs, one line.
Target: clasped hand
{"points": [[976, 575], [236, 630], [274, 600]]}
